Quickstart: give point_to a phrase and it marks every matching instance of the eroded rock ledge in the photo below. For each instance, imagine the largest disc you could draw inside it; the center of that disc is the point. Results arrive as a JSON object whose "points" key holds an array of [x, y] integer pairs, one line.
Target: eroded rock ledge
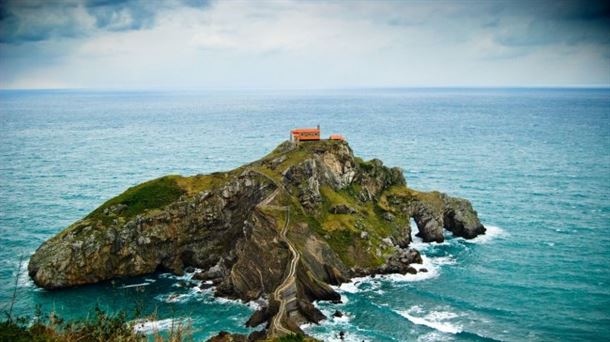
{"points": [[283, 228]]}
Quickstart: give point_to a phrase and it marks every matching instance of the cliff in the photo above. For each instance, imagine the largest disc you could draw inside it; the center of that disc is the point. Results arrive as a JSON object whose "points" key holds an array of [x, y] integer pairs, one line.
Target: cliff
{"points": [[283, 228]]}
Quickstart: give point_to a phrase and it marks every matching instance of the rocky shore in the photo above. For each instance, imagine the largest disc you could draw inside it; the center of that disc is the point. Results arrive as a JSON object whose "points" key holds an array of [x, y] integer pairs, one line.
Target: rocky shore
{"points": [[283, 228]]}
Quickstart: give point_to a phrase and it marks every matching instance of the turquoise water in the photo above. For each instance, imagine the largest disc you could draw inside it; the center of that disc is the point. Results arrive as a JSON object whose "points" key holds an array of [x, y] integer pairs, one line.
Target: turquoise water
{"points": [[534, 162]]}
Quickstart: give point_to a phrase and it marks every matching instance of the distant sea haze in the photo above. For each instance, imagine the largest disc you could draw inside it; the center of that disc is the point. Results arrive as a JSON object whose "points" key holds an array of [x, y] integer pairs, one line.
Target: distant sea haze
{"points": [[534, 162]]}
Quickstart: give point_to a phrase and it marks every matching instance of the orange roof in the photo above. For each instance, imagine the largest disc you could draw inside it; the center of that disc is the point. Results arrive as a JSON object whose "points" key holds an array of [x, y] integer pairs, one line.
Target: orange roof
{"points": [[299, 130]]}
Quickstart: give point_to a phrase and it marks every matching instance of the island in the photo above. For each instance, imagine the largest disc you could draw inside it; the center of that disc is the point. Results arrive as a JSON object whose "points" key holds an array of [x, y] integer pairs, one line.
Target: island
{"points": [[283, 229]]}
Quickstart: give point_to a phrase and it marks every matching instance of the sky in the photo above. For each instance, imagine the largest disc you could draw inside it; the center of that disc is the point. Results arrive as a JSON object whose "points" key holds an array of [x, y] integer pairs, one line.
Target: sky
{"points": [[296, 44]]}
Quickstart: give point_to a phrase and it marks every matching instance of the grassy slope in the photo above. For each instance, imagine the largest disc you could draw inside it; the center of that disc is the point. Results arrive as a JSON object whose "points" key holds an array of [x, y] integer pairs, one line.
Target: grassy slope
{"points": [[155, 194]]}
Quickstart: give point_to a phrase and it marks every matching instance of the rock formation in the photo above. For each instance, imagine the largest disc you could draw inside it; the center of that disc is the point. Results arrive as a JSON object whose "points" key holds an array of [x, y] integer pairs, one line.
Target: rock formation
{"points": [[283, 228]]}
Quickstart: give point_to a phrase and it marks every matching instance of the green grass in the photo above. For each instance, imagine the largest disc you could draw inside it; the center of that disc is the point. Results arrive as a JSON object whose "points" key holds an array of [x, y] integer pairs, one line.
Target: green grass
{"points": [[153, 194], [343, 230], [156, 194], [196, 184], [406, 195], [364, 165]]}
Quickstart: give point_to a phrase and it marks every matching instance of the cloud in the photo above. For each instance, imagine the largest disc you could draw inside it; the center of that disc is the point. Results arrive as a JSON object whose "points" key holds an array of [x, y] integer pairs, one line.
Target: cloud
{"points": [[23, 21], [563, 22], [120, 15], [292, 43], [31, 21]]}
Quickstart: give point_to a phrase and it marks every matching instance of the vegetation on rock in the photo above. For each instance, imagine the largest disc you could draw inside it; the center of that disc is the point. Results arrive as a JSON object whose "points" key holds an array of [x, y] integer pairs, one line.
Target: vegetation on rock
{"points": [[305, 216], [99, 326]]}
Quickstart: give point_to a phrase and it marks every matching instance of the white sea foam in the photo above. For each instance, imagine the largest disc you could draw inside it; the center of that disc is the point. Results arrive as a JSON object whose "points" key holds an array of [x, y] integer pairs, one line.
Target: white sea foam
{"points": [[349, 287], [433, 336], [334, 337], [444, 260], [194, 293], [150, 327], [134, 285], [186, 276], [432, 265], [173, 298], [329, 312], [23, 278], [418, 243], [343, 319], [222, 300], [351, 334], [257, 304], [335, 325], [492, 233], [438, 320]]}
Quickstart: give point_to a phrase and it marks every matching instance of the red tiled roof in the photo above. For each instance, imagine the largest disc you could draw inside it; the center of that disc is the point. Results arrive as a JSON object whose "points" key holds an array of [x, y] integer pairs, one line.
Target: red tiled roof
{"points": [[303, 130]]}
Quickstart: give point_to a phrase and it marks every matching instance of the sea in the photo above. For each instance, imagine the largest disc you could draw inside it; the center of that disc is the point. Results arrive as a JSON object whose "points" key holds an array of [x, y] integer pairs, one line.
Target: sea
{"points": [[534, 162]]}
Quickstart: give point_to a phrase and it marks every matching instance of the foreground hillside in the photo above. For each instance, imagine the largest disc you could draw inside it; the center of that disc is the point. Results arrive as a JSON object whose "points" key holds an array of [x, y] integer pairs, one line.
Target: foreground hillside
{"points": [[282, 228]]}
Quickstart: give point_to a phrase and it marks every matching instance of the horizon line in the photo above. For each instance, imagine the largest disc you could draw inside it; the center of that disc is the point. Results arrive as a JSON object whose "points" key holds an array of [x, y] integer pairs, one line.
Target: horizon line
{"points": [[176, 89]]}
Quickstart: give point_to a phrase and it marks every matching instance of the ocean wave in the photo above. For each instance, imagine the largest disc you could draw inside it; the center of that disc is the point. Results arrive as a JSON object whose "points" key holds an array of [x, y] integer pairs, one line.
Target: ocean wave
{"points": [[150, 327], [350, 287], [492, 233], [134, 285], [431, 264], [343, 319], [21, 273], [333, 336], [254, 305], [190, 289], [418, 243], [333, 325], [193, 293], [175, 297], [365, 284], [257, 304], [438, 320], [187, 276]]}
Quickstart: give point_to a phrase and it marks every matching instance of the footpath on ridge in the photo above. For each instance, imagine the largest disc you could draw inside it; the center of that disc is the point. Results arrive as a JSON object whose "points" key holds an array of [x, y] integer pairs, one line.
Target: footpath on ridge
{"points": [[285, 293]]}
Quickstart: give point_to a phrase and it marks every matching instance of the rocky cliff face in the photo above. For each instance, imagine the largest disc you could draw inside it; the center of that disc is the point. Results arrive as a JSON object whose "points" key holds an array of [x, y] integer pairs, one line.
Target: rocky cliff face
{"points": [[282, 228]]}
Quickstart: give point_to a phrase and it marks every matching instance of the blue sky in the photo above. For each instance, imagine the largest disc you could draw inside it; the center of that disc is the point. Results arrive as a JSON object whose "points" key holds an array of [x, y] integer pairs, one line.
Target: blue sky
{"points": [[185, 44]]}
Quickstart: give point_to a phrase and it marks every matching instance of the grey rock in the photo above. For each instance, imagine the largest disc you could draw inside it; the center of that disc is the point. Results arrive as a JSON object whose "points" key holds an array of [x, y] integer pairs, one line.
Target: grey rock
{"points": [[342, 209], [388, 216]]}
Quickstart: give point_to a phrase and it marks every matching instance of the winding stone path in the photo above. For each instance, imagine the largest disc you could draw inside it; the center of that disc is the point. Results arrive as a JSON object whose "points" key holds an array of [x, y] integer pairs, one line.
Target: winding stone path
{"points": [[284, 294]]}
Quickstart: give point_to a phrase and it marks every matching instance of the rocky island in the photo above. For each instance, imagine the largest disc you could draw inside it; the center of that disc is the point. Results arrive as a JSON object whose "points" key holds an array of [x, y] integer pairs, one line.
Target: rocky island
{"points": [[283, 228]]}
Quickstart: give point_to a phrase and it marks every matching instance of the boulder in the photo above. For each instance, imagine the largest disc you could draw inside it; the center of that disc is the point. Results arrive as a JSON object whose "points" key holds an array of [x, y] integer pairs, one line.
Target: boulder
{"points": [[388, 216], [342, 209], [461, 219]]}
